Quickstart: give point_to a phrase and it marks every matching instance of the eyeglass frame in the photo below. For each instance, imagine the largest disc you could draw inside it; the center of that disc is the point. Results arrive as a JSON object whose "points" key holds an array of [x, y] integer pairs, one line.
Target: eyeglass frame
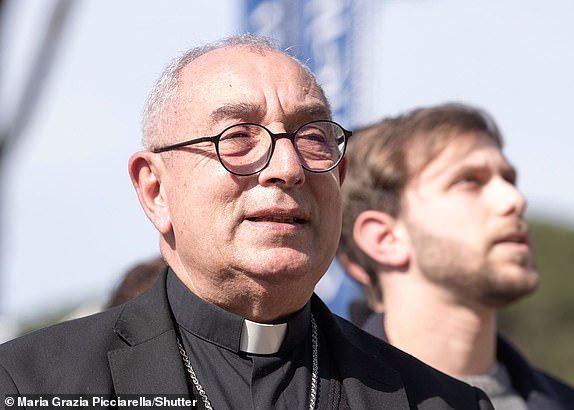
{"points": [[274, 137]]}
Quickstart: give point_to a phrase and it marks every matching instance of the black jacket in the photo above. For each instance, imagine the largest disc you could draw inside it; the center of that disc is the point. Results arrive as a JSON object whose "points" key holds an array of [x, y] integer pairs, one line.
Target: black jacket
{"points": [[132, 349]]}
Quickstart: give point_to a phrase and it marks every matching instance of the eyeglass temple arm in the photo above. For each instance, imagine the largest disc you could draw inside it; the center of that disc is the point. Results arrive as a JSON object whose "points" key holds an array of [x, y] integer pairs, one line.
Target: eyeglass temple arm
{"points": [[183, 144]]}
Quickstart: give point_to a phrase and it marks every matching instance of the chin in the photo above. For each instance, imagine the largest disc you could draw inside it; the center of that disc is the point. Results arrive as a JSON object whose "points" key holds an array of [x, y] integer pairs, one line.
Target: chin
{"points": [[511, 286], [278, 271]]}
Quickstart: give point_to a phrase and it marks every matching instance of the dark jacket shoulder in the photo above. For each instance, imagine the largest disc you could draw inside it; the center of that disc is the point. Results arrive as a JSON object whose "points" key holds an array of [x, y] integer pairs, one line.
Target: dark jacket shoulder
{"points": [[61, 357], [74, 356], [537, 387], [376, 363]]}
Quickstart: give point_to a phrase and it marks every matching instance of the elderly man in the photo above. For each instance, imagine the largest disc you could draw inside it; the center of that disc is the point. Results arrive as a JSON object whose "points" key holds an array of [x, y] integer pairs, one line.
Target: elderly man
{"points": [[241, 176], [434, 229]]}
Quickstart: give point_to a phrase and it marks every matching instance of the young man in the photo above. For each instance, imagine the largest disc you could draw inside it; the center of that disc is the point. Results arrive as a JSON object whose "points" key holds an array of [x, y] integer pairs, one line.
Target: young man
{"points": [[434, 229], [241, 177]]}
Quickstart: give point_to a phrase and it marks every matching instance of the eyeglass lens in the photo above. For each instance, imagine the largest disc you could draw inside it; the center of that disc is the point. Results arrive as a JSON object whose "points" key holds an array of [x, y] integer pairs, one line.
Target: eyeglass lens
{"points": [[246, 148]]}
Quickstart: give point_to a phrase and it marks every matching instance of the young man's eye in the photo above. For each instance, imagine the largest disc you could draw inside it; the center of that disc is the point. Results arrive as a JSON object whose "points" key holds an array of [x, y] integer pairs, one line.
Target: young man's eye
{"points": [[470, 181]]}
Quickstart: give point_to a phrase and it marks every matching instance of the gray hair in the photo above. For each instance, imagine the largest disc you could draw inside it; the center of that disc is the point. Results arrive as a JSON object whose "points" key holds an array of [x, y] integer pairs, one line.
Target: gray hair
{"points": [[156, 110]]}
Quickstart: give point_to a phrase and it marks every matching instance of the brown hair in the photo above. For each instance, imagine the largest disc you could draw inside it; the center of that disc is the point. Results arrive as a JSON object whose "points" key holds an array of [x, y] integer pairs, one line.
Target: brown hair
{"points": [[384, 156]]}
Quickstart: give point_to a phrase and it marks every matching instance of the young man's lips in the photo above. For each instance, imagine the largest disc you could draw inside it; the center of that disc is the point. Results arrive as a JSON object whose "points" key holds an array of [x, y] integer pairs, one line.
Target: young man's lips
{"points": [[519, 238]]}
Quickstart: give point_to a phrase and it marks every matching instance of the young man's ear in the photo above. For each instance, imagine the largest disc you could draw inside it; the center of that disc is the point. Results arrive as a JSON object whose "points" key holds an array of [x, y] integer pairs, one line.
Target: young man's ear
{"points": [[145, 170], [382, 237]]}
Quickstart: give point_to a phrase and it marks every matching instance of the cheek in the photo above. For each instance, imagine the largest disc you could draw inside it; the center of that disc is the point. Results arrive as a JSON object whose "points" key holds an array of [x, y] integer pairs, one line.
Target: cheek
{"points": [[469, 217], [440, 218], [463, 211], [196, 201], [328, 197]]}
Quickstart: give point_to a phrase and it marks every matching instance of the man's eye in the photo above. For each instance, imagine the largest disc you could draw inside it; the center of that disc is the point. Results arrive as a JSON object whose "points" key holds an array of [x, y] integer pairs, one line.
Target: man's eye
{"points": [[316, 137], [235, 136], [469, 180]]}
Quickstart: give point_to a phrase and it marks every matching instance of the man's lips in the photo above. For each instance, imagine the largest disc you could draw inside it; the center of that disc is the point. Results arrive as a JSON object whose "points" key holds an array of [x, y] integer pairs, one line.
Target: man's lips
{"points": [[277, 219], [278, 216], [520, 238]]}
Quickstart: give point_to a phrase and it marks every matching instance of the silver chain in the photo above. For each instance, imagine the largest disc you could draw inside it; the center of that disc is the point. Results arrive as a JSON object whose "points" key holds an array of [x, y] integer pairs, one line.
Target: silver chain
{"points": [[192, 375], [314, 373]]}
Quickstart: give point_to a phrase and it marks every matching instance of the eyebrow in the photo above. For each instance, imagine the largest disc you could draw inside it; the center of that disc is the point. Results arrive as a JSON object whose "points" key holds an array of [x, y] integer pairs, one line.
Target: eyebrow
{"points": [[316, 110], [245, 110], [508, 171], [511, 173], [234, 110]]}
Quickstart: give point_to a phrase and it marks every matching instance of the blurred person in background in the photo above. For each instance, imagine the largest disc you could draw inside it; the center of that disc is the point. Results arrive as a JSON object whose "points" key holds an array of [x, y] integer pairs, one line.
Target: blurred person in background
{"points": [[136, 280], [240, 174], [434, 229]]}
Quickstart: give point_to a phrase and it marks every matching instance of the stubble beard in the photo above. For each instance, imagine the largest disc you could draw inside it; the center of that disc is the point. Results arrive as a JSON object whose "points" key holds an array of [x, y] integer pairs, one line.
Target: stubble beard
{"points": [[473, 277]]}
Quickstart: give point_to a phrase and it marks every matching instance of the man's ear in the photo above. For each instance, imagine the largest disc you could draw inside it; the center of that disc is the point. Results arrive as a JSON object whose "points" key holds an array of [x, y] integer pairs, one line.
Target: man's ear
{"points": [[145, 170], [381, 237]]}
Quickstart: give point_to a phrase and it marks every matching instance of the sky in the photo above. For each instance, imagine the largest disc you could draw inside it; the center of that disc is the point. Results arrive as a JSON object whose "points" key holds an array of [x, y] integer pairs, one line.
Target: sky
{"points": [[71, 222]]}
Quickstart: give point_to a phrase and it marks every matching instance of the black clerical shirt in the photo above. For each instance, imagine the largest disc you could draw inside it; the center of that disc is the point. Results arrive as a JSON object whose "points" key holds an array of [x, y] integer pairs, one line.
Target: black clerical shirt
{"points": [[236, 380]]}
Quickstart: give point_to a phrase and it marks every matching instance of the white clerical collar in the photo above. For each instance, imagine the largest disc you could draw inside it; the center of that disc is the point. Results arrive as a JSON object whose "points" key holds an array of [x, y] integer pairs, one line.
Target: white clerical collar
{"points": [[261, 338]]}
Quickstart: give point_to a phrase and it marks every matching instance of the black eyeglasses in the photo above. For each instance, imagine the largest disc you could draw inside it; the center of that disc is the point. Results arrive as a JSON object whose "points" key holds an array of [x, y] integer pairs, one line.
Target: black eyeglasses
{"points": [[245, 149]]}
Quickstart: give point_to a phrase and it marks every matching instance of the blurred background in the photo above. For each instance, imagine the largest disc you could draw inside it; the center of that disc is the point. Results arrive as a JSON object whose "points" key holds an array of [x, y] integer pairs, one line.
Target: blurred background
{"points": [[74, 75]]}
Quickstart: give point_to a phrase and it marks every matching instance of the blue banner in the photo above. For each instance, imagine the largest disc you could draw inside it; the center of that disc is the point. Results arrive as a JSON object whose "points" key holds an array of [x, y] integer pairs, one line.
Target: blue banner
{"points": [[318, 33]]}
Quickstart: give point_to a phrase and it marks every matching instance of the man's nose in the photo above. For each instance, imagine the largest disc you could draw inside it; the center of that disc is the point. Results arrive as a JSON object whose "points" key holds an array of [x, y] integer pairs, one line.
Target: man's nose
{"points": [[509, 199], [284, 166]]}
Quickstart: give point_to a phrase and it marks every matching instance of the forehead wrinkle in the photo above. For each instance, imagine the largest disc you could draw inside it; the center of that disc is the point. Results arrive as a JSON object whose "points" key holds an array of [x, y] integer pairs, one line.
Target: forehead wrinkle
{"points": [[450, 152], [460, 161], [446, 161]]}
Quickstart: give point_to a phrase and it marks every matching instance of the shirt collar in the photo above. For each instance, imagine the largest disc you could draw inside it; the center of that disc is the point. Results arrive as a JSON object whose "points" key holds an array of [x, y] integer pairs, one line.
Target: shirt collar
{"points": [[232, 332]]}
